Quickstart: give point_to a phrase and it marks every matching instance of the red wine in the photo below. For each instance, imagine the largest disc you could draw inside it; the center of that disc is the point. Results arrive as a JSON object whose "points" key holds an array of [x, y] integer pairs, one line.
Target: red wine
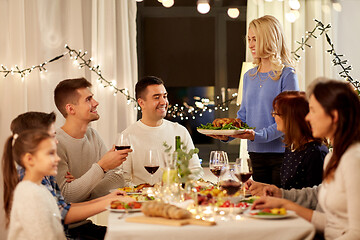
{"points": [[231, 187], [216, 170], [151, 169], [122, 147], [245, 176]]}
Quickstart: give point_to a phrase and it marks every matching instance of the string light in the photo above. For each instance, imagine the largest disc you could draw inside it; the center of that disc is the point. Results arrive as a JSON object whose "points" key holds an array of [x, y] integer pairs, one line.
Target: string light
{"points": [[337, 61], [202, 105], [80, 60], [190, 112]]}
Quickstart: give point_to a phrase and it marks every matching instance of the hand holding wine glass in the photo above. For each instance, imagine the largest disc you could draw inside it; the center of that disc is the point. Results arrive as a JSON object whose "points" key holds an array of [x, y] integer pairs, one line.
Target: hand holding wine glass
{"points": [[244, 170], [152, 162], [122, 142], [217, 160]]}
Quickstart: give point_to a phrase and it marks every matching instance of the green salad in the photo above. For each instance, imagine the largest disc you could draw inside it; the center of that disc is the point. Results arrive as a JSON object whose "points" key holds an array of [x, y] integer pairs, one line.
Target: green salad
{"points": [[229, 126]]}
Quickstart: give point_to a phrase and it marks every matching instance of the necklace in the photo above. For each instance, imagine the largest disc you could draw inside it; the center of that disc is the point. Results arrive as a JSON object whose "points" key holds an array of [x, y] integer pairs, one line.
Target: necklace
{"points": [[262, 81]]}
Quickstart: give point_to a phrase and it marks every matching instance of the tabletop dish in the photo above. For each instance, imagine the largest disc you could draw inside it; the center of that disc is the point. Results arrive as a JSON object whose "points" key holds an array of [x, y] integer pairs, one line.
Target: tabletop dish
{"points": [[227, 210], [253, 214], [123, 210], [226, 132]]}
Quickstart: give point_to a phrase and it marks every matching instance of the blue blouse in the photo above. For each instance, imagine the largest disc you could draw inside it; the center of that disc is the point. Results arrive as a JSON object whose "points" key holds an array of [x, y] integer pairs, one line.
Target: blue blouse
{"points": [[259, 92]]}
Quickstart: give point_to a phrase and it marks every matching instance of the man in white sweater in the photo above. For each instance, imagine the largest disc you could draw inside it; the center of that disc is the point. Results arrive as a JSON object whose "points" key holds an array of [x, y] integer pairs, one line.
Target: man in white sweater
{"points": [[151, 131], [83, 153]]}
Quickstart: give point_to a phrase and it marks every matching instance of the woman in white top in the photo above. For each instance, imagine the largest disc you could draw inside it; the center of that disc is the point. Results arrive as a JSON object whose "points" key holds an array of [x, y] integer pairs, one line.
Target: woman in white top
{"points": [[29, 206], [334, 114]]}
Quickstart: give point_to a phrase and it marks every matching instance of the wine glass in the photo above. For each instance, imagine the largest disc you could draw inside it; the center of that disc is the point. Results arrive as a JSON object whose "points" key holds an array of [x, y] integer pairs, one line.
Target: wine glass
{"points": [[243, 170], [122, 142], [229, 183], [217, 160], [152, 162]]}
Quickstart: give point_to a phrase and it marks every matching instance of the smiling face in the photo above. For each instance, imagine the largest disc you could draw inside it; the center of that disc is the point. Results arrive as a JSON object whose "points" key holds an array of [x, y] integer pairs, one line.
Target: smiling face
{"points": [[322, 124], [252, 42], [154, 103], [86, 107], [279, 122], [45, 158]]}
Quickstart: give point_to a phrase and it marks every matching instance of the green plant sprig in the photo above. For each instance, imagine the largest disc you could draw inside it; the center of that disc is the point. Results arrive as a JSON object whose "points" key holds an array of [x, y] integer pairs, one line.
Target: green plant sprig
{"points": [[183, 159]]}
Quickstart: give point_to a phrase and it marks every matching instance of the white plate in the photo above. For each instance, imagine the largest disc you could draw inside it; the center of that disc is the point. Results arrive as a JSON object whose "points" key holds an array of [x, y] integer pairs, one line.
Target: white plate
{"points": [[227, 210], [123, 210], [289, 213], [128, 193], [220, 132]]}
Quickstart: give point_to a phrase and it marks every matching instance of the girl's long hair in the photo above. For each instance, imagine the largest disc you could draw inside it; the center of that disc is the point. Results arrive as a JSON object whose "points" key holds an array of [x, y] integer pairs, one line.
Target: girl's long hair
{"points": [[341, 97], [270, 43], [15, 149]]}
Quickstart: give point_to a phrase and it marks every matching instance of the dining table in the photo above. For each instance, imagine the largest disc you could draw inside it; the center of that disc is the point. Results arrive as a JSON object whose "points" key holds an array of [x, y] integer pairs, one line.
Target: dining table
{"points": [[244, 227]]}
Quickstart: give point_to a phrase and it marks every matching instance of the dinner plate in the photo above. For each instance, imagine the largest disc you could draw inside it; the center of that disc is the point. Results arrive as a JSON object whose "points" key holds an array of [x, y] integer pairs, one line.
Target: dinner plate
{"points": [[123, 210], [289, 213], [128, 193], [227, 210], [220, 132]]}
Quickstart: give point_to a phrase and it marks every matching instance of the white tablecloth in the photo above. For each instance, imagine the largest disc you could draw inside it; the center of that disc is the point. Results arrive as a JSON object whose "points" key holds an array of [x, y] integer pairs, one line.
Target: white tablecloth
{"points": [[245, 228]]}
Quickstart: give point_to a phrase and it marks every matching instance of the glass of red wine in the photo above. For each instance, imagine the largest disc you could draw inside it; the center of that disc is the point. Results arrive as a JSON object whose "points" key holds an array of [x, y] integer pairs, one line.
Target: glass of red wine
{"points": [[122, 142], [243, 170], [217, 160], [229, 183], [152, 163]]}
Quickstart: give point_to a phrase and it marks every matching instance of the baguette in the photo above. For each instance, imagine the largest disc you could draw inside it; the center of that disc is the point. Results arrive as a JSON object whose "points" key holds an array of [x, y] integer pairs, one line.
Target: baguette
{"points": [[159, 209]]}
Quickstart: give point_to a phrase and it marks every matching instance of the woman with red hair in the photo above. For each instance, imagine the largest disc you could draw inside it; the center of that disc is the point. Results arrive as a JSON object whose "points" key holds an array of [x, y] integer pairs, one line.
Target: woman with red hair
{"points": [[304, 154]]}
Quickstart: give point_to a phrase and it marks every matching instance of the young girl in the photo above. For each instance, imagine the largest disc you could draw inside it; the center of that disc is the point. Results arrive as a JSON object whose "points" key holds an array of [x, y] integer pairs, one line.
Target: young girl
{"points": [[304, 154], [334, 114], [29, 206]]}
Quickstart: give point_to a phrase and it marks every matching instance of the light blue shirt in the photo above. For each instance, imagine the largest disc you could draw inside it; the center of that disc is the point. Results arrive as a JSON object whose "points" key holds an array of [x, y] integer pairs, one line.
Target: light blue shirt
{"points": [[256, 107]]}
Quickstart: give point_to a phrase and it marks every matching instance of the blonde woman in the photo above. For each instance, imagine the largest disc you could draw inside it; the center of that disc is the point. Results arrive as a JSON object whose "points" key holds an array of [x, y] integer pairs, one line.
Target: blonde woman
{"points": [[273, 74]]}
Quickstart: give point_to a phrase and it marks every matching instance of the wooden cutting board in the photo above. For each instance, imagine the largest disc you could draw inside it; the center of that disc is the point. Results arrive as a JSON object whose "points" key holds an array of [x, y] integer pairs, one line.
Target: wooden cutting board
{"points": [[170, 222]]}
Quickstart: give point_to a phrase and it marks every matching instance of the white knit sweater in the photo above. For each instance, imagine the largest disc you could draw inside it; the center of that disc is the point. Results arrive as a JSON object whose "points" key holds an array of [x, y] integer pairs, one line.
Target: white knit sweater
{"points": [[34, 214], [143, 138]]}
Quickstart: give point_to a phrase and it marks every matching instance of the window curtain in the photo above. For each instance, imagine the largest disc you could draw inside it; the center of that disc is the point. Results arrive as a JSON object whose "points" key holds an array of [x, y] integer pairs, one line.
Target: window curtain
{"points": [[34, 31], [315, 61]]}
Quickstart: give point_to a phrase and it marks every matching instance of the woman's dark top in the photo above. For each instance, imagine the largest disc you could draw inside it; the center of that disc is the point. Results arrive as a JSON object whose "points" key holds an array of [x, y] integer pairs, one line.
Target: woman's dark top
{"points": [[303, 168]]}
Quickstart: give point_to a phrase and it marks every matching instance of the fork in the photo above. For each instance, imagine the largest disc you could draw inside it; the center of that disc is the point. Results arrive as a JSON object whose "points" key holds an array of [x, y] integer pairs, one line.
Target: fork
{"points": [[122, 215]]}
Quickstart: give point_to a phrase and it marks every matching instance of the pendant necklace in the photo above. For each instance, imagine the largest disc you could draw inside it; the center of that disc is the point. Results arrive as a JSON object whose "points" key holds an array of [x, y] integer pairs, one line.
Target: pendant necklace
{"points": [[262, 81]]}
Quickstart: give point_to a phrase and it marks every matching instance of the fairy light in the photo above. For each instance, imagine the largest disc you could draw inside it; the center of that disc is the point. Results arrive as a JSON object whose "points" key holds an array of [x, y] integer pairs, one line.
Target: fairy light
{"points": [[202, 105]]}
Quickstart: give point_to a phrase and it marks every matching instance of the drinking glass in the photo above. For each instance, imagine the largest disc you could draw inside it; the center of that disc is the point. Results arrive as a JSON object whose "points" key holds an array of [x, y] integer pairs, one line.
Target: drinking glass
{"points": [[122, 142], [217, 160], [243, 170], [152, 162], [229, 183]]}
